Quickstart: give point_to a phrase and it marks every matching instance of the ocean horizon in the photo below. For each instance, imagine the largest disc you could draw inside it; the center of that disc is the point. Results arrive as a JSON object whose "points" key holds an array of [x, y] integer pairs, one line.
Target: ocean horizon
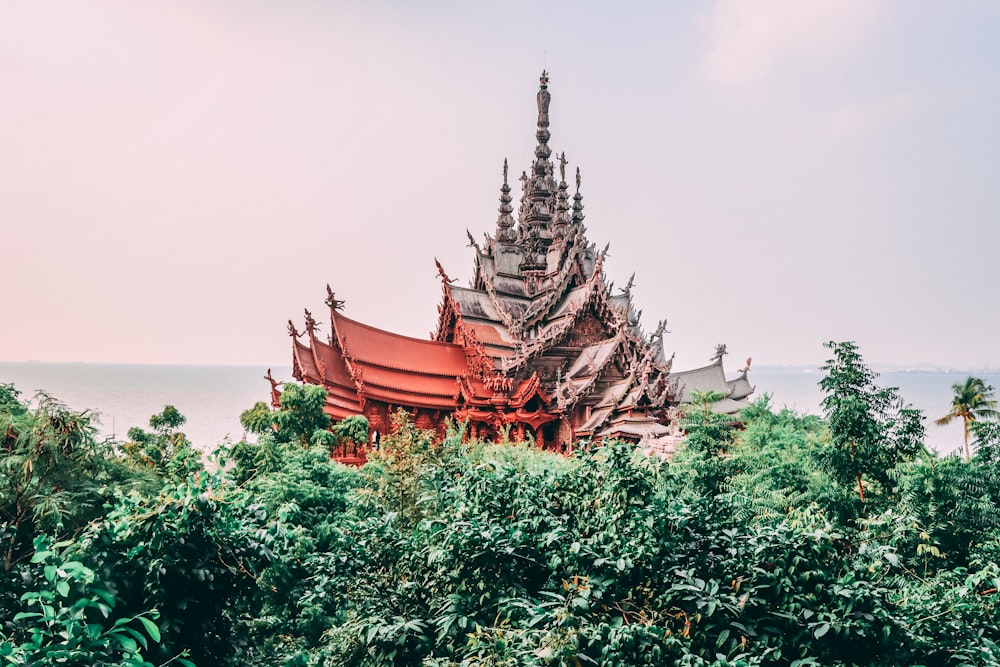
{"points": [[212, 397]]}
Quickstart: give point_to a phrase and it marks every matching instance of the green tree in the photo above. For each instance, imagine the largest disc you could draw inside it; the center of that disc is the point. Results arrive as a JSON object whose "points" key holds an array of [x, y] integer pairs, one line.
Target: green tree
{"points": [[973, 401], [871, 430], [300, 417], [165, 450], [53, 473]]}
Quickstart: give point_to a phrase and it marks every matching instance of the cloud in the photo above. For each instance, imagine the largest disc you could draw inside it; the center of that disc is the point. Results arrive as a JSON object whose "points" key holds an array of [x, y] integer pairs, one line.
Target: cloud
{"points": [[868, 116], [749, 38]]}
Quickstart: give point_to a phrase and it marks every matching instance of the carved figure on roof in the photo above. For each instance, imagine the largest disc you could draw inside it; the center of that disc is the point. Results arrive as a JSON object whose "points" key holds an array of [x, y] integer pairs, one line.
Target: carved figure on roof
{"points": [[310, 323], [332, 300], [562, 166], [292, 330], [544, 98], [720, 351], [275, 394], [627, 290], [444, 276]]}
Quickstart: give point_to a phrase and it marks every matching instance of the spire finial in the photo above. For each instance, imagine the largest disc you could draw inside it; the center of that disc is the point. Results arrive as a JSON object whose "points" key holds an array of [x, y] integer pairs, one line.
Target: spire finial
{"points": [[505, 223], [544, 98], [562, 166], [577, 201]]}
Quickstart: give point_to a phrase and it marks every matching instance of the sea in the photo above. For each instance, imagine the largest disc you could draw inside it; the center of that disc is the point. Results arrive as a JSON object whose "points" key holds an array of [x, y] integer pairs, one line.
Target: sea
{"points": [[121, 396]]}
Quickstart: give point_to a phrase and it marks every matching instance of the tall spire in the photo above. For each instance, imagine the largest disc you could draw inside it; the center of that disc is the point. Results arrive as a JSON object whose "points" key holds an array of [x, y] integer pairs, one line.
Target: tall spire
{"points": [[562, 219], [577, 201], [542, 151], [505, 222], [538, 196]]}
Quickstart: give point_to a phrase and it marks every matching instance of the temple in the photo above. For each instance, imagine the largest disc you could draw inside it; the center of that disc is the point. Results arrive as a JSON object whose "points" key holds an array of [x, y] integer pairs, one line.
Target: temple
{"points": [[539, 344]]}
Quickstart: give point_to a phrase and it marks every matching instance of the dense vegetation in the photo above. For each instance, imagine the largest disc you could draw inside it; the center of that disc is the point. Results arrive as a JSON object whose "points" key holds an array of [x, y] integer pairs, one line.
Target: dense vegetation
{"points": [[774, 539]]}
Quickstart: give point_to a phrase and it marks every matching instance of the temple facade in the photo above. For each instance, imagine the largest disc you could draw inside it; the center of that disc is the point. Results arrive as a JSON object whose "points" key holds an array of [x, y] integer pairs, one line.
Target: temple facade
{"points": [[539, 344]]}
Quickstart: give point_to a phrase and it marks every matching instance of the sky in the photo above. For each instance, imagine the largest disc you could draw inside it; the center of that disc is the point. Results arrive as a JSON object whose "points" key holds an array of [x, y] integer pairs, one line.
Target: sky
{"points": [[178, 179]]}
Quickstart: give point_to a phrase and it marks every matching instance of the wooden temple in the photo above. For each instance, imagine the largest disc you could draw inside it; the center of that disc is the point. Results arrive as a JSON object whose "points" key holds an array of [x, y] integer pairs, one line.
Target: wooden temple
{"points": [[539, 344]]}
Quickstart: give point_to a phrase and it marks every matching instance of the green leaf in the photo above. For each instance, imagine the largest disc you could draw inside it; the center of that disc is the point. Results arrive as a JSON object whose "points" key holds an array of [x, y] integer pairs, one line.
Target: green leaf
{"points": [[821, 630], [62, 588], [151, 628]]}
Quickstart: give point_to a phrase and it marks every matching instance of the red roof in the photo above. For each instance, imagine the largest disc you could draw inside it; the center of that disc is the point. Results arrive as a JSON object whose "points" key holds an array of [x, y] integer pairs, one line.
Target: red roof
{"points": [[389, 350]]}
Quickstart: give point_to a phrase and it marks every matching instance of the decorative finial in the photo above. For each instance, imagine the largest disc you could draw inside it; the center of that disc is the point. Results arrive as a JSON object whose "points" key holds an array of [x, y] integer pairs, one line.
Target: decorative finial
{"points": [[444, 276], [332, 300], [310, 323], [292, 330], [562, 166], [544, 78], [505, 223], [627, 290], [577, 201], [720, 351]]}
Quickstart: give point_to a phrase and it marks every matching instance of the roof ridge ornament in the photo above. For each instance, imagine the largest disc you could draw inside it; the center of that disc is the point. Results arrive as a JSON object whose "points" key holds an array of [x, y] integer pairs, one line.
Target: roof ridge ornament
{"points": [[444, 276], [332, 301]]}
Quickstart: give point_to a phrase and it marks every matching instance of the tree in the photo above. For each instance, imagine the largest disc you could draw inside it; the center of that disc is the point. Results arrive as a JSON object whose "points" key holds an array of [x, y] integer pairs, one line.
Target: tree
{"points": [[973, 401], [871, 430], [166, 450], [300, 417], [53, 473]]}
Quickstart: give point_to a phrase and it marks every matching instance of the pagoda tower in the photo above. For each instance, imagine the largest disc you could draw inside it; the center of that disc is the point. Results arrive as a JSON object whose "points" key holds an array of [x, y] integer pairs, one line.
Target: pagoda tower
{"points": [[538, 345]]}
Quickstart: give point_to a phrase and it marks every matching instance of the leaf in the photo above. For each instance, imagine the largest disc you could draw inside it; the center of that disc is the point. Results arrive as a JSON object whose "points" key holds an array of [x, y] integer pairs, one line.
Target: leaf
{"points": [[62, 588], [151, 628], [821, 630]]}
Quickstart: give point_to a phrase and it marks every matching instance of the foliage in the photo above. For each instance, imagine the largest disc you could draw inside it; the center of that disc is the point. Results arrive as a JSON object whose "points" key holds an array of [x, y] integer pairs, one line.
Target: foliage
{"points": [[299, 418], [973, 401], [54, 479], [67, 621], [751, 546], [183, 552], [166, 451], [353, 429], [870, 429]]}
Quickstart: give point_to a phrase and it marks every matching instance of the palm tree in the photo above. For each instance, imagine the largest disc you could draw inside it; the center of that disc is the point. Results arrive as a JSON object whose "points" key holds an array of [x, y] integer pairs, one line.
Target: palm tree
{"points": [[973, 401]]}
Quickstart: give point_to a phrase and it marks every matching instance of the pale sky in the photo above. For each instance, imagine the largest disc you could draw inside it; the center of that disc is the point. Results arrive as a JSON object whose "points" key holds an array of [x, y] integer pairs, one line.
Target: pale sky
{"points": [[178, 179]]}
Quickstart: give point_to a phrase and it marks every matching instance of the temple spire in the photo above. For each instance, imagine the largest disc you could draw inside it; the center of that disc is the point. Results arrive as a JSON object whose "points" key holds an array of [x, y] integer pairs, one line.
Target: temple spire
{"points": [[577, 201], [538, 200], [505, 222], [542, 134], [562, 218]]}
